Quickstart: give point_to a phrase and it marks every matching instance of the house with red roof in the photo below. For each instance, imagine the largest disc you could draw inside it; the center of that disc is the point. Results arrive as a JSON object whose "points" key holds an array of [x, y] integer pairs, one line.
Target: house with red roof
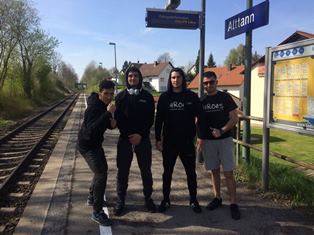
{"points": [[230, 79], [155, 74]]}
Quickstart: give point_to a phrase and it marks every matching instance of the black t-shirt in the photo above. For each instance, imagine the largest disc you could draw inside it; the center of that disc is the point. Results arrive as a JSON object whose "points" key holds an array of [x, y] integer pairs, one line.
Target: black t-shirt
{"points": [[216, 110], [176, 116]]}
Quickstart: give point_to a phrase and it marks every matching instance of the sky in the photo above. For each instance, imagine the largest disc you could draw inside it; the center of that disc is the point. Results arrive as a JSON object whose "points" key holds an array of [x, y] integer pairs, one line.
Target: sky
{"points": [[85, 28]]}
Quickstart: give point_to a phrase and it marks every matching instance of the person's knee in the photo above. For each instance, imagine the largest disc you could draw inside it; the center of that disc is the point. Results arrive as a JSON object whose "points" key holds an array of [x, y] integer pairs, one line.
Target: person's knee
{"points": [[229, 175], [101, 177], [215, 172]]}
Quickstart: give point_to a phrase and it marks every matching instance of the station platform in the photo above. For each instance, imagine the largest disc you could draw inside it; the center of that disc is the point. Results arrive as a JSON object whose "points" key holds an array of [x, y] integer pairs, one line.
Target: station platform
{"points": [[58, 203]]}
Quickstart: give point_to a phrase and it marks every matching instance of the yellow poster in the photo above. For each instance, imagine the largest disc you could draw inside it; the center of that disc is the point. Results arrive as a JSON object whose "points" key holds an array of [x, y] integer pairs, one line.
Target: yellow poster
{"points": [[293, 90]]}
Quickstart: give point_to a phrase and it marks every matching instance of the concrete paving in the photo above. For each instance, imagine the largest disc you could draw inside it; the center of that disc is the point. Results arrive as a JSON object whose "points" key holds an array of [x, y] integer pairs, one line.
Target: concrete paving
{"points": [[58, 204]]}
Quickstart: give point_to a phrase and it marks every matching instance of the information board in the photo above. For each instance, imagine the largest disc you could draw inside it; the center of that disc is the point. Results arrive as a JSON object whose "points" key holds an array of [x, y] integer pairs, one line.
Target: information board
{"points": [[176, 19], [291, 86]]}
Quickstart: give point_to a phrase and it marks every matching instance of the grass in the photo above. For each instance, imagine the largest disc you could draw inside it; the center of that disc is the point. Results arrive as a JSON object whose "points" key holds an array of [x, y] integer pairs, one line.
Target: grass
{"points": [[294, 145], [284, 181]]}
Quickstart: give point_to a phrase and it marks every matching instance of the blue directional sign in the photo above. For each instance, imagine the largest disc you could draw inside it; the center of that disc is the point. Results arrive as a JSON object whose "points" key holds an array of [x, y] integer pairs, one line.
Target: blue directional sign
{"points": [[176, 19], [249, 19]]}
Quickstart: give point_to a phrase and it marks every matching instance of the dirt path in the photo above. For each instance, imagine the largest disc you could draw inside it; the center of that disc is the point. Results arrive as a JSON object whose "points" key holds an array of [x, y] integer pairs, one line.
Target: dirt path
{"points": [[259, 216]]}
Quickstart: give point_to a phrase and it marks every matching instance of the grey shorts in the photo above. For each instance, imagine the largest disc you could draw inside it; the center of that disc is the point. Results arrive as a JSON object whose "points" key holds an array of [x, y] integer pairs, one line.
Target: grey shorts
{"points": [[219, 152]]}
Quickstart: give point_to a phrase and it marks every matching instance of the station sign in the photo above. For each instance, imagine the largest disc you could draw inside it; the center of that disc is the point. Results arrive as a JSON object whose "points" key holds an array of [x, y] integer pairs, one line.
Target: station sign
{"points": [[247, 20], [291, 86], [176, 19]]}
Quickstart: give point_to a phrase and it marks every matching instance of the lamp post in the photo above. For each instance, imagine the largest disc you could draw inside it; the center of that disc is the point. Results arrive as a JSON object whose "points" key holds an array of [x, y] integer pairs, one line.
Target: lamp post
{"points": [[115, 60]]}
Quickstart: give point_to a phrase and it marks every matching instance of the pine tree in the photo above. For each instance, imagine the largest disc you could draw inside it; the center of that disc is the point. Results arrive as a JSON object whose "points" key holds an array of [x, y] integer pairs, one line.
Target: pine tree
{"points": [[211, 62]]}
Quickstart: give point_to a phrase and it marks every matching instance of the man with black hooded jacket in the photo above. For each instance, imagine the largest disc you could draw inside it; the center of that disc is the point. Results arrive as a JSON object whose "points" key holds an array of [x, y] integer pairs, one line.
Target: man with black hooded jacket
{"points": [[135, 116], [177, 110], [97, 118]]}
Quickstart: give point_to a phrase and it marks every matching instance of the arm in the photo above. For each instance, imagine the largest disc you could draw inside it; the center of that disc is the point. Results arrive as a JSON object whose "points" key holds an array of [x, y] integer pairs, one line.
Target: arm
{"points": [[159, 124], [96, 121], [159, 120], [233, 119]]}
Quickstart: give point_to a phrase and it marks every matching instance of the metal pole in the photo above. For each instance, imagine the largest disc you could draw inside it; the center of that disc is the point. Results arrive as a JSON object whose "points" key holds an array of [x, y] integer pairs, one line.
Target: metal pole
{"points": [[199, 156], [202, 50], [115, 60], [265, 159], [247, 89], [115, 63]]}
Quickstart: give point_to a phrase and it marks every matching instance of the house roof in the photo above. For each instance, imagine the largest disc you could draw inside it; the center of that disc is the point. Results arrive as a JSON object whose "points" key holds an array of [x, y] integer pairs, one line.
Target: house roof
{"points": [[297, 36], [137, 65], [226, 77], [153, 69]]}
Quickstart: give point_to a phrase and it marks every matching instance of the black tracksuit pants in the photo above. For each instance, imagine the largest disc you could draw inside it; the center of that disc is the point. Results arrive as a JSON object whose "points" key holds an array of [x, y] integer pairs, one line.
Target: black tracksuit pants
{"points": [[97, 162], [143, 153], [186, 153]]}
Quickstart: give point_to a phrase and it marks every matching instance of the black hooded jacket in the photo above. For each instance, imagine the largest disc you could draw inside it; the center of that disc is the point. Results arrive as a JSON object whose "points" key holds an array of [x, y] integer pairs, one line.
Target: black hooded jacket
{"points": [[134, 113], [96, 121], [176, 113]]}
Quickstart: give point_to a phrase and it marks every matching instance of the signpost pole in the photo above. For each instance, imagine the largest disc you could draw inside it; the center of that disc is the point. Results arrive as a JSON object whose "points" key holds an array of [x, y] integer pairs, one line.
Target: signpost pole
{"points": [[201, 63], [265, 159], [247, 89], [202, 50]]}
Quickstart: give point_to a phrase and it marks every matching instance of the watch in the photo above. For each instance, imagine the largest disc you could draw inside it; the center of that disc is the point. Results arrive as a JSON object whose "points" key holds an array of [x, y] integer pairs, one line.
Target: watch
{"points": [[221, 131]]}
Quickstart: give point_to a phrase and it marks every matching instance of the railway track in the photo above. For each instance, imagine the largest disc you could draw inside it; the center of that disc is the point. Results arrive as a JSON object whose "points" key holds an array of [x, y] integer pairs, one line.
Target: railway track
{"points": [[24, 153]]}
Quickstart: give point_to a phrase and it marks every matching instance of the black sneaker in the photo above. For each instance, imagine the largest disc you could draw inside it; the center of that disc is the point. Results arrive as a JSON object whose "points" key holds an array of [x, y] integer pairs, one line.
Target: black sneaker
{"points": [[196, 207], [150, 205], [101, 218], [119, 208], [215, 203], [164, 205], [90, 202], [235, 212]]}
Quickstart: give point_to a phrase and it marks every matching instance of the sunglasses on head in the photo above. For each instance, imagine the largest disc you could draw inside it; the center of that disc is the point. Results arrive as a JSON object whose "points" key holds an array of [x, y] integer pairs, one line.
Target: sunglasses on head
{"points": [[211, 82]]}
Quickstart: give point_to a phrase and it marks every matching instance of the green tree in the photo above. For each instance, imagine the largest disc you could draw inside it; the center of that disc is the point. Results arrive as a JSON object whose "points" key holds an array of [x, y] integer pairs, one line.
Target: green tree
{"points": [[42, 75], [125, 66], [34, 45], [255, 57], [165, 57], [16, 16], [197, 62], [211, 62], [235, 56], [93, 74]]}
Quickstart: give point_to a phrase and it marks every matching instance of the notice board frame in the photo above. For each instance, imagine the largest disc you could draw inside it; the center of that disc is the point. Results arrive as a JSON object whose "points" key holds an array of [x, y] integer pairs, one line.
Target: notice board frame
{"points": [[287, 58]]}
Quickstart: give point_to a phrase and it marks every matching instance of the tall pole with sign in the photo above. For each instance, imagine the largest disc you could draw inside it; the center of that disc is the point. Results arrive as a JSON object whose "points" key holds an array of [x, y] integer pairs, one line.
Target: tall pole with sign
{"points": [[247, 89], [202, 50], [246, 21], [179, 19]]}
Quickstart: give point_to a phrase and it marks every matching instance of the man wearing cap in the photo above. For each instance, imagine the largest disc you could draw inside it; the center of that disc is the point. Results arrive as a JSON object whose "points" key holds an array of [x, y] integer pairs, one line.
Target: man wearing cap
{"points": [[135, 116], [97, 118]]}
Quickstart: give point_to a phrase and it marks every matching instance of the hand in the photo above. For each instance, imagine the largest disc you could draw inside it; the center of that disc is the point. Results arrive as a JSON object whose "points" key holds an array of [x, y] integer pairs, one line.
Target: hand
{"points": [[200, 144], [216, 132], [111, 108], [159, 145], [135, 139]]}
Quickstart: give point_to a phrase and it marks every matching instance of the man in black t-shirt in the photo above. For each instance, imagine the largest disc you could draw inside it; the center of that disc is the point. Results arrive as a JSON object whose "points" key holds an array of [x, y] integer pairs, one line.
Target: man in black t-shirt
{"points": [[215, 140], [177, 110]]}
